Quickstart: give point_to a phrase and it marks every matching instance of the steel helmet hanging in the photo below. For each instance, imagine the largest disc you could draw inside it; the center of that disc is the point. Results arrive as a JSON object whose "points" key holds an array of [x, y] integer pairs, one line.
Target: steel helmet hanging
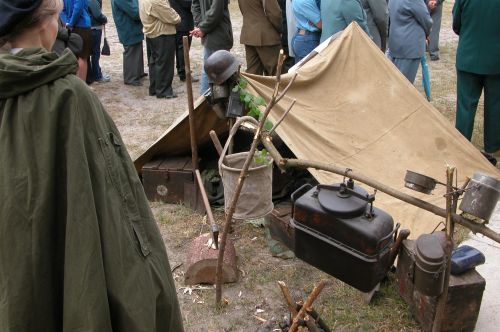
{"points": [[220, 66]]}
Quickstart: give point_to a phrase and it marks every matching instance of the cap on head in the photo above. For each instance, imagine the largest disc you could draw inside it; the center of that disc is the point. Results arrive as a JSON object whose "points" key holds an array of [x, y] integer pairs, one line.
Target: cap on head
{"points": [[14, 11], [220, 66]]}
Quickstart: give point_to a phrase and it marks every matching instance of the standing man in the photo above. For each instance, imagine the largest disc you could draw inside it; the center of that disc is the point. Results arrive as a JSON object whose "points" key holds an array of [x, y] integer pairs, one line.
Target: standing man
{"points": [[377, 19], [478, 68], [129, 28], [159, 20], [76, 18], [183, 8], [410, 26], [261, 35], [337, 15], [98, 19], [436, 9], [213, 26], [308, 20]]}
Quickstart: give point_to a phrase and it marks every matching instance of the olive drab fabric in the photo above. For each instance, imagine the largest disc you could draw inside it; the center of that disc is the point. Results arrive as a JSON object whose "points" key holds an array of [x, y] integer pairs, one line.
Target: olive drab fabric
{"points": [[79, 248]]}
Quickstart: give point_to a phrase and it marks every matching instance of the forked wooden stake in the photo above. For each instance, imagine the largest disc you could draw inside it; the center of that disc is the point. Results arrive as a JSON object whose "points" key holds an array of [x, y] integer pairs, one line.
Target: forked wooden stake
{"points": [[243, 174]]}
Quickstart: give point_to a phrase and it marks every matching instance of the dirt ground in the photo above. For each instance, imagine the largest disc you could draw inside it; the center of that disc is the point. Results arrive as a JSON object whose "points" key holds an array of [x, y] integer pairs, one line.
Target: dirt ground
{"points": [[256, 296]]}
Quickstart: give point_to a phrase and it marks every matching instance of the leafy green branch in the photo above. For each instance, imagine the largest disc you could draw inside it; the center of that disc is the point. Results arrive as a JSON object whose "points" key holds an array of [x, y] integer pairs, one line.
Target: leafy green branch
{"points": [[251, 102]]}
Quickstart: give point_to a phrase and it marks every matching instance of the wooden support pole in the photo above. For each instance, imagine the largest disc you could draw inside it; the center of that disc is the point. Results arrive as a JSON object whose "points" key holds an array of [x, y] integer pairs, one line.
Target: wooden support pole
{"points": [[189, 89]]}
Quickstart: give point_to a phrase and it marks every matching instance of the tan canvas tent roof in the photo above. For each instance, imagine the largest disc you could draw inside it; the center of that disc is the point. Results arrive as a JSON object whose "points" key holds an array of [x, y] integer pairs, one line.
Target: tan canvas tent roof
{"points": [[355, 109]]}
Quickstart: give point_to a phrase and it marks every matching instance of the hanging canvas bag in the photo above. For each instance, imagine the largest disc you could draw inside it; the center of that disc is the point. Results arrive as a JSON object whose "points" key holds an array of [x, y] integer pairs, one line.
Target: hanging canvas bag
{"points": [[105, 46]]}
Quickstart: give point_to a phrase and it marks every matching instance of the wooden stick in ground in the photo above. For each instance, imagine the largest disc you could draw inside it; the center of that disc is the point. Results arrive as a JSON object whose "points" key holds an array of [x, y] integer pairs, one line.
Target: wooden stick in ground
{"points": [[288, 299], [301, 163], [314, 294], [441, 305], [241, 179], [189, 89]]}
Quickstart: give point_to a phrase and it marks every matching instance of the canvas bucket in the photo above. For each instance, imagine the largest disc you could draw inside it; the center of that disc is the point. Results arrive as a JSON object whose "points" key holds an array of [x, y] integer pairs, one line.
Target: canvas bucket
{"points": [[255, 200]]}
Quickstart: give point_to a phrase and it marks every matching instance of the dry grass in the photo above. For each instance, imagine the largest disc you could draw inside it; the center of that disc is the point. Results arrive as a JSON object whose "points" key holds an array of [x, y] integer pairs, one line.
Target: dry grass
{"points": [[142, 119]]}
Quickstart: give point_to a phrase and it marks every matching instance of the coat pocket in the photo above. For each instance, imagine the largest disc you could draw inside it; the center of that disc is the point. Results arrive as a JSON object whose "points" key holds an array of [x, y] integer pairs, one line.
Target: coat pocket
{"points": [[116, 171]]}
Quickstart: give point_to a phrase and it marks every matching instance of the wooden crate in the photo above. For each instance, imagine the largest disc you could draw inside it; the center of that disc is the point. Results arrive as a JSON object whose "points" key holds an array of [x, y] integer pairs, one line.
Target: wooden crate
{"points": [[278, 222], [171, 180], [465, 294]]}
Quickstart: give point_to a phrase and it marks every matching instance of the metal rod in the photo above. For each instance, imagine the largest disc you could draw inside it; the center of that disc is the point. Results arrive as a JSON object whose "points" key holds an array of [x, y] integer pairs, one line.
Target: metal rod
{"points": [[189, 89]]}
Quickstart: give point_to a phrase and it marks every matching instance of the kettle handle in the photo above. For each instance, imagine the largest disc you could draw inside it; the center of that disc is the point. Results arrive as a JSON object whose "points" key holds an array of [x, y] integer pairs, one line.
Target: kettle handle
{"points": [[298, 193]]}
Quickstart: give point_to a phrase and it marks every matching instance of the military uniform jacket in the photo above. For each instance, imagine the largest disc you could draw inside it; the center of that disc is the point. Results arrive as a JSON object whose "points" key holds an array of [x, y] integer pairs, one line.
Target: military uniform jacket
{"points": [[79, 249], [477, 24], [262, 22]]}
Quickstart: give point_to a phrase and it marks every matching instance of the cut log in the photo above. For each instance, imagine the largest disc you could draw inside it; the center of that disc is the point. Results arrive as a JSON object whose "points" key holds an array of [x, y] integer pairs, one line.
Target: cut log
{"points": [[201, 262]]}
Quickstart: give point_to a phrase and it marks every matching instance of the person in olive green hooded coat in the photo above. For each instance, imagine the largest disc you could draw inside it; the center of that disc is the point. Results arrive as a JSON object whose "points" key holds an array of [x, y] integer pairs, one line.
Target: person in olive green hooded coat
{"points": [[478, 68], [79, 248]]}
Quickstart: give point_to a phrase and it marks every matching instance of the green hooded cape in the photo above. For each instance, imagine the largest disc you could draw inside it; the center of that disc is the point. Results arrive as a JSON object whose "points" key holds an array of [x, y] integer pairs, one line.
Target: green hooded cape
{"points": [[79, 248]]}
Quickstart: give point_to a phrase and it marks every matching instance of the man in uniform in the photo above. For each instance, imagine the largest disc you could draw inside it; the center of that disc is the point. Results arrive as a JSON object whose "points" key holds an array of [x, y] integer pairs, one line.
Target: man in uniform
{"points": [[478, 68], [261, 35]]}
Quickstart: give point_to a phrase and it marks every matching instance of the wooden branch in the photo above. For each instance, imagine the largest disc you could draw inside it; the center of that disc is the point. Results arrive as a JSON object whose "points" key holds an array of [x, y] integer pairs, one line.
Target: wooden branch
{"points": [[301, 163], [239, 186], [441, 305], [282, 117], [311, 323], [286, 294], [314, 294], [285, 90]]}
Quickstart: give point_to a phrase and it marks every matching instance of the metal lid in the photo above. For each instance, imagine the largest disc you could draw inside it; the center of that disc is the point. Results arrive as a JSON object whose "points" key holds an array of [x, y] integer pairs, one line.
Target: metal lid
{"points": [[341, 201], [419, 182], [429, 253], [486, 180]]}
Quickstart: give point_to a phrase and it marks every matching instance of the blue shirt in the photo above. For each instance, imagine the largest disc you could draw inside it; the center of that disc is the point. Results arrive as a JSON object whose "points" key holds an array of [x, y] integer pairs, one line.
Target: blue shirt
{"points": [[307, 14], [75, 13]]}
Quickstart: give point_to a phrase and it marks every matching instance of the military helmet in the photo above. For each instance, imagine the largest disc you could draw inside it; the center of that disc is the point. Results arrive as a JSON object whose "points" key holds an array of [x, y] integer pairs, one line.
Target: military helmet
{"points": [[220, 66]]}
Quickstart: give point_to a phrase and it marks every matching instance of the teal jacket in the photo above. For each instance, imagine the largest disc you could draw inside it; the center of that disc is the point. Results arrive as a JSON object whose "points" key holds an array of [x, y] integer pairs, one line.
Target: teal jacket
{"points": [[337, 15], [127, 21], [79, 248], [478, 26]]}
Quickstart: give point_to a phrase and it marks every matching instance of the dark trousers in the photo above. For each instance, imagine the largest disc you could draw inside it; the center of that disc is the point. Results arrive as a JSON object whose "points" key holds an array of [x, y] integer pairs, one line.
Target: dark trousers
{"points": [[262, 60], [179, 52], [469, 88], [161, 52], [94, 69], [133, 63]]}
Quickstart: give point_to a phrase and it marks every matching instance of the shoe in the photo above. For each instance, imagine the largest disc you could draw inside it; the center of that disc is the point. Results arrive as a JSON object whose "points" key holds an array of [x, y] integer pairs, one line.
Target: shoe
{"points": [[152, 94], [193, 79], [104, 79], [173, 95], [144, 75], [434, 57], [134, 83]]}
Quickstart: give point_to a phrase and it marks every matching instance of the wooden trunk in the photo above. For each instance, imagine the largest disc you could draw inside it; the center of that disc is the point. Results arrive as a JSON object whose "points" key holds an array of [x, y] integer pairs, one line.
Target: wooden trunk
{"points": [[278, 222], [171, 180], [465, 294]]}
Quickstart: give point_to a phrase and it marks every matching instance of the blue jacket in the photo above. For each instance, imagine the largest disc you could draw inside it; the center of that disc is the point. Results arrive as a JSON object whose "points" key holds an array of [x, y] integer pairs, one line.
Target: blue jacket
{"points": [[127, 21], [75, 13], [337, 15], [410, 24]]}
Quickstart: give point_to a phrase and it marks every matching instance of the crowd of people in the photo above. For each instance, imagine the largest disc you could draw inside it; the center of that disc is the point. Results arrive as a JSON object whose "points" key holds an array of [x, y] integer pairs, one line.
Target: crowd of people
{"points": [[79, 247]]}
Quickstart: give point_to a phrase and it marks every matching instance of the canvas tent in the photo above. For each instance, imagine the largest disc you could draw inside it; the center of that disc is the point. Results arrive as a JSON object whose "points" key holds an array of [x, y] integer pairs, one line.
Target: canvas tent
{"points": [[354, 109]]}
